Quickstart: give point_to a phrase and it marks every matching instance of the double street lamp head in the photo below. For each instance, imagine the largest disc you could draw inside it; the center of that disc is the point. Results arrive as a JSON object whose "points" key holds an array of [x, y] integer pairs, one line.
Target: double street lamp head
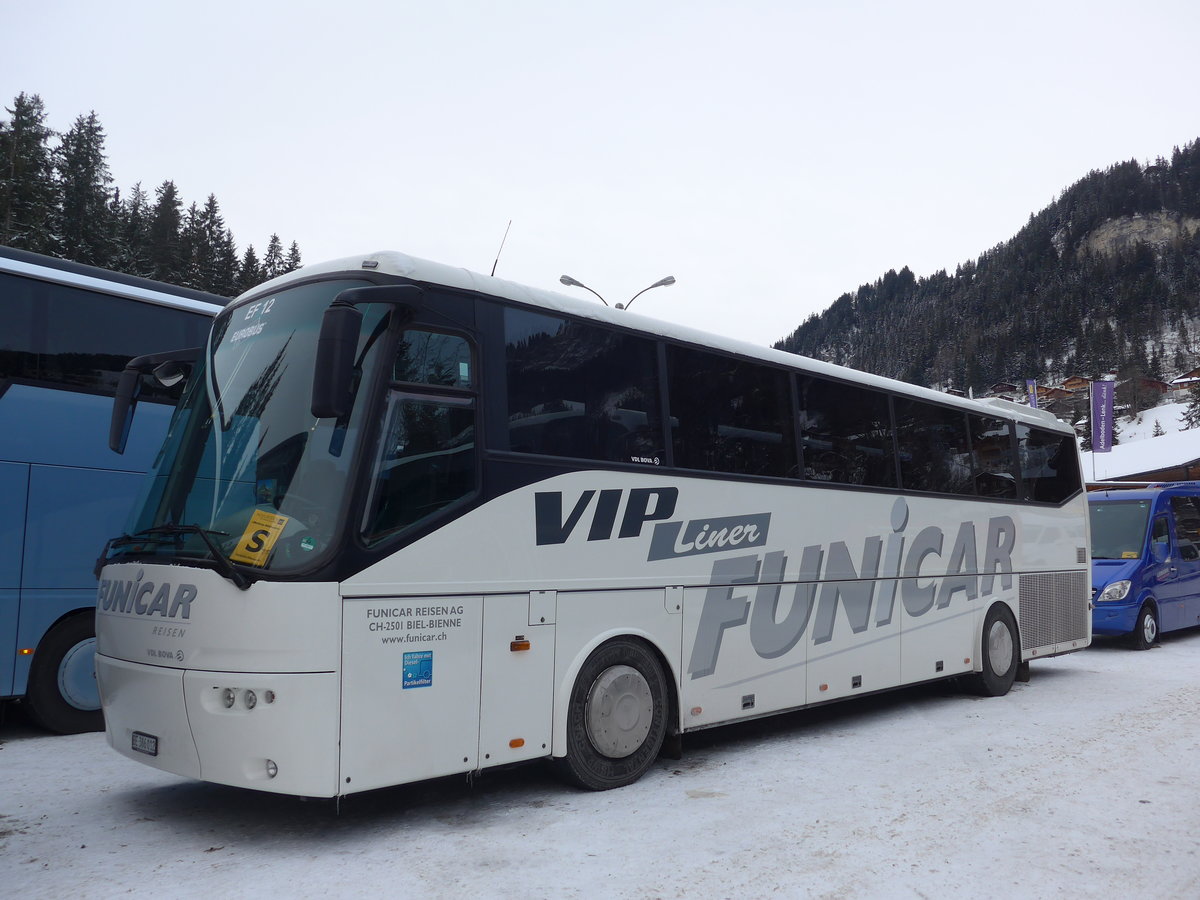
{"points": [[572, 282]]}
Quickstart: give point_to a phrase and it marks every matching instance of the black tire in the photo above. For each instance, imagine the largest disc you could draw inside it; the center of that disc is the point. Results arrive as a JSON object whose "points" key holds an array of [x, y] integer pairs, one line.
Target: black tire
{"points": [[617, 716], [1000, 653], [59, 695], [1145, 630]]}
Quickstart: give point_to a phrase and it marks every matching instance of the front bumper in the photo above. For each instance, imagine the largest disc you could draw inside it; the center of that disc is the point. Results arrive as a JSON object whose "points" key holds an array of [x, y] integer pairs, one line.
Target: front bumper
{"points": [[279, 734]]}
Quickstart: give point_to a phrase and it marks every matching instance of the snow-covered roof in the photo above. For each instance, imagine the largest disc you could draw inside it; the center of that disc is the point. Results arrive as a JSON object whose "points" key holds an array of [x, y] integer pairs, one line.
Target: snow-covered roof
{"points": [[1137, 457]]}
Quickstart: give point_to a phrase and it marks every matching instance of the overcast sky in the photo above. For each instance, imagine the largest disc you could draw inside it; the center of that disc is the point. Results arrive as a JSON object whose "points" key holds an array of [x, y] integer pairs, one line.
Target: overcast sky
{"points": [[769, 155]]}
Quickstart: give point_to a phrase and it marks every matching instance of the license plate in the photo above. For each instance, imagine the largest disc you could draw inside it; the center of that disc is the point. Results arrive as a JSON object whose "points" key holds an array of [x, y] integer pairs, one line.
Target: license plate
{"points": [[145, 743]]}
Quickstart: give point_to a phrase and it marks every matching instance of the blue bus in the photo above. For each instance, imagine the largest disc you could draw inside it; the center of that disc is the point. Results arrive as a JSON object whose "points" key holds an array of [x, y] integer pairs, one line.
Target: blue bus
{"points": [[66, 333], [1145, 560]]}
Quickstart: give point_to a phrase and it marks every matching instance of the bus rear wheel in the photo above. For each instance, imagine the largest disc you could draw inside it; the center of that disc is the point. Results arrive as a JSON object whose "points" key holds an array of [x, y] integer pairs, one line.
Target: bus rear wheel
{"points": [[62, 694], [1001, 653], [617, 716]]}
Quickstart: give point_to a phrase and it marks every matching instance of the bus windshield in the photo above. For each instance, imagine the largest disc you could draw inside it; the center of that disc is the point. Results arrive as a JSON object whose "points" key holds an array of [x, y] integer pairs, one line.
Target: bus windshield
{"points": [[1119, 528], [246, 470]]}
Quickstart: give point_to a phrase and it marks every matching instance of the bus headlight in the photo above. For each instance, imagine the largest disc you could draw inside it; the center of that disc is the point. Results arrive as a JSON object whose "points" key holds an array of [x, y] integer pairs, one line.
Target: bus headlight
{"points": [[227, 697], [1118, 590]]}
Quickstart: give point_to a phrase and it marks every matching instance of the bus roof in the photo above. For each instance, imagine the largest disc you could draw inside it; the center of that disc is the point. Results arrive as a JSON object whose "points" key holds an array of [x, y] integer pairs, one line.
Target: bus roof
{"points": [[427, 272], [62, 271]]}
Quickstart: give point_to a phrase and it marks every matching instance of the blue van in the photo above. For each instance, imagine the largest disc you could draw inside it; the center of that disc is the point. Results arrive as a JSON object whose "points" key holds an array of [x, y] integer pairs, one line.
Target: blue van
{"points": [[1145, 560]]}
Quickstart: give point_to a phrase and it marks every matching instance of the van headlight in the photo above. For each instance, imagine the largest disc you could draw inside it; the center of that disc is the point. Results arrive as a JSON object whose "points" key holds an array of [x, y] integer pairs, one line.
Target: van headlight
{"points": [[1118, 590]]}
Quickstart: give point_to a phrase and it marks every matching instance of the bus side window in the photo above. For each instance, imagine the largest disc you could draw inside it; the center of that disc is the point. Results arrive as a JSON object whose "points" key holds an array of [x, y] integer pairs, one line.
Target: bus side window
{"points": [[1049, 464], [426, 461], [991, 449], [1187, 527], [53, 335], [729, 415], [846, 433], [935, 454], [579, 391], [1160, 540]]}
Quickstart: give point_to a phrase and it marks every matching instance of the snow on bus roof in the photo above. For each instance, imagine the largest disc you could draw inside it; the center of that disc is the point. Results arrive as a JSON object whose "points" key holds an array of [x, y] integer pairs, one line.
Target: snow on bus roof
{"points": [[392, 262]]}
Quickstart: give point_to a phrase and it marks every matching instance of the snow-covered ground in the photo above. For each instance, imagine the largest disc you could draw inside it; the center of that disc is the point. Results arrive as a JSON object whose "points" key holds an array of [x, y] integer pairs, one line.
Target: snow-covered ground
{"points": [[1082, 783]]}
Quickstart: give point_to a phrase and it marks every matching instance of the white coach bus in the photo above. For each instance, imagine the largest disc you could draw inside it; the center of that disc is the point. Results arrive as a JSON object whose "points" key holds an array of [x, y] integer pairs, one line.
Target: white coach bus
{"points": [[411, 521]]}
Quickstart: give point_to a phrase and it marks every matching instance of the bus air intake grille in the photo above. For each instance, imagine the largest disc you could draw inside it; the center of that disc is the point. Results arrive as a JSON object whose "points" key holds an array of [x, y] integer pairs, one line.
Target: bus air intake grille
{"points": [[1054, 608]]}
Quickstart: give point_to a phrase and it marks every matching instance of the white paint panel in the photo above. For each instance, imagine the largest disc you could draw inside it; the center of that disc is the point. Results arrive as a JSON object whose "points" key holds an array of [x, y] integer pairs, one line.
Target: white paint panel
{"points": [[410, 689]]}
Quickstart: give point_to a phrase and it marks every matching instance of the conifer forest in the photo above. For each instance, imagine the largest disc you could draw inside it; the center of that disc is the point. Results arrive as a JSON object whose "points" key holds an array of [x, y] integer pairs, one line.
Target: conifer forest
{"points": [[57, 198], [1102, 283]]}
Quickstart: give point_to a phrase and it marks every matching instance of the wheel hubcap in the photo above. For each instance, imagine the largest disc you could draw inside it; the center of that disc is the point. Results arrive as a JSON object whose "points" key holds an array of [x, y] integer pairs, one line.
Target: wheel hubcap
{"points": [[1149, 628], [1000, 648], [77, 676], [620, 709]]}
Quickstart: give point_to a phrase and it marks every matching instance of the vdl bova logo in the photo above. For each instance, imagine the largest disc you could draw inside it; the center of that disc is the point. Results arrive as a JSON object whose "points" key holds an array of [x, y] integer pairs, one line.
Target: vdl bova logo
{"points": [[146, 598], [669, 540]]}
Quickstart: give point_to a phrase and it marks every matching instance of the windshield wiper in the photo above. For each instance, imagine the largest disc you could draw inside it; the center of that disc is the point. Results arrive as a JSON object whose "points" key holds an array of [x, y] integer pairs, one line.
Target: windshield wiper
{"points": [[165, 532]]}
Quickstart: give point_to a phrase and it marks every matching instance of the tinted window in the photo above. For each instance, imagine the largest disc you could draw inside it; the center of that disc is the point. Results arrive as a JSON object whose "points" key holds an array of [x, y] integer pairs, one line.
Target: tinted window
{"points": [[992, 447], [426, 463], [1049, 464], [1187, 526], [581, 391], [66, 337], [427, 357], [846, 433], [728, 415], [935, 454]]}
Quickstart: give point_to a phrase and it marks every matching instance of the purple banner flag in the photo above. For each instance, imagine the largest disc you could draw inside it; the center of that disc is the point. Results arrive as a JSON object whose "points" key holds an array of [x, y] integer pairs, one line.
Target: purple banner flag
{"points": [[1031, 388], [1102, 416]]}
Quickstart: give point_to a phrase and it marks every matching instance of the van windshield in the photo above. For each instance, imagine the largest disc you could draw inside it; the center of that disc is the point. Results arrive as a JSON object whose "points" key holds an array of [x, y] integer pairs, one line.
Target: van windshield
{"points": [[1118, 528]]}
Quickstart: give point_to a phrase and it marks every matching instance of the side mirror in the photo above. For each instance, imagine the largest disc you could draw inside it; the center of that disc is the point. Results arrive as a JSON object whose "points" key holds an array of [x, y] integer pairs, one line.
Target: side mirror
{"points": [[333, 375], [168, 367], [334, 369], [124, 405]]}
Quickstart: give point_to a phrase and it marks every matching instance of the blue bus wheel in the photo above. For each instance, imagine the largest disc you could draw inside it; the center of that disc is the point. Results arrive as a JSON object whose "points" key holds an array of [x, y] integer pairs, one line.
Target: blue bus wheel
{"points": [[62, 694], [1145, 631]]}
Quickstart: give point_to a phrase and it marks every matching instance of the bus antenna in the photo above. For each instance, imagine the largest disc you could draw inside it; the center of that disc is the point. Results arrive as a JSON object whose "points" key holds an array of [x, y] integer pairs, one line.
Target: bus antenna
{"points": [[501, 250]]}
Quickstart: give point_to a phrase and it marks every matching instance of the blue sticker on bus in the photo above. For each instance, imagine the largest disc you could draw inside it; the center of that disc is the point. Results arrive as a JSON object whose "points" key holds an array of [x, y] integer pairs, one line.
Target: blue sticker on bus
{"points": [[418, 669]]}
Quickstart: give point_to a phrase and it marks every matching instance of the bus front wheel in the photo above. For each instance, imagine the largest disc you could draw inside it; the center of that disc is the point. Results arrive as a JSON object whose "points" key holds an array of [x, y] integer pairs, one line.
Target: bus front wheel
{"points": [[1145, 631], [617, 716], [62, 694], [1001, 653]]}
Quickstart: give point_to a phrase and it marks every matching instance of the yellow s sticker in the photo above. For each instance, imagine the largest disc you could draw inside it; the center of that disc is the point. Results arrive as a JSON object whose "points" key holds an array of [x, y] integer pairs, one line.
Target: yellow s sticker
{"points": [[260, 536], [1129, 554]]}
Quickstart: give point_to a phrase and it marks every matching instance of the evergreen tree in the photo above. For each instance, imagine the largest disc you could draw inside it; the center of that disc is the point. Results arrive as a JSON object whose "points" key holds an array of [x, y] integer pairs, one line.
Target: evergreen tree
{"points": [[27, 189], [133, 234], [273, 262], [225, 266], [249, 272], [86, 229], [1191, 413], [292, 263], [1158, 429], [166, 242]]}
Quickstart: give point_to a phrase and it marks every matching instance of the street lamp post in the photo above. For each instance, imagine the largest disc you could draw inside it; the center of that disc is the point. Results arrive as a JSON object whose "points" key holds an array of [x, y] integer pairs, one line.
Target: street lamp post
{"points": [[662, 282]]}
